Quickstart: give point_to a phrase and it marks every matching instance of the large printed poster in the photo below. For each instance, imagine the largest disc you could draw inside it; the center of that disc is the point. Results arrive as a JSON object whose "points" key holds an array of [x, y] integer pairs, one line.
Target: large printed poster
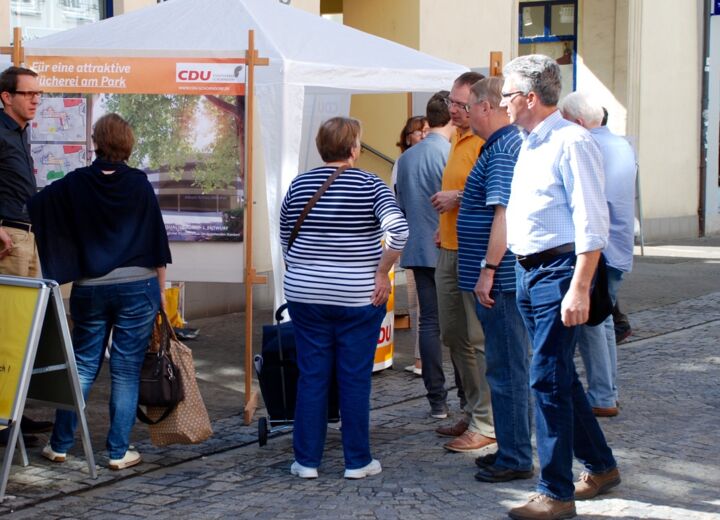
{"points": [[191, 148], [187, 115], [59, 135]]}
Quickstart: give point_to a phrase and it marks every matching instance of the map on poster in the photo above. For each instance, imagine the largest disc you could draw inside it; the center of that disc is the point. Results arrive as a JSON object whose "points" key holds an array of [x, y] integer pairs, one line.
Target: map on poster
{"points": [[54, 161], [60, 120]]}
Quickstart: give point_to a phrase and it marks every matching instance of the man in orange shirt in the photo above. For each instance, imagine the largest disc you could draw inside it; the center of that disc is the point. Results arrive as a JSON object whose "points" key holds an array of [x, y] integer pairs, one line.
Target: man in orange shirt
{"points": [[459, 325]]}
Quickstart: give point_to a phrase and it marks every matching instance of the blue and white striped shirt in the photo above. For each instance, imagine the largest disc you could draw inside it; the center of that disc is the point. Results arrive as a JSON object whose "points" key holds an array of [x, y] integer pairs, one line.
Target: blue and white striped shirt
{"points": [[557, 195], [336, 253], [487, 186]]}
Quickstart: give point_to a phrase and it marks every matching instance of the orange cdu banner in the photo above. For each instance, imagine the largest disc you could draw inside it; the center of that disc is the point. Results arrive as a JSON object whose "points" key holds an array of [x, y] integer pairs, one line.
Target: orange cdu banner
{"points": [[117, 75]]}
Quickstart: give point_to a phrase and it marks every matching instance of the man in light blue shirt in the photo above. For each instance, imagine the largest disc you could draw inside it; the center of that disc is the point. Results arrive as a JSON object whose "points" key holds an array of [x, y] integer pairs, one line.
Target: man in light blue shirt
{"points": [[557, 225], [419, 177], [597, 344]]}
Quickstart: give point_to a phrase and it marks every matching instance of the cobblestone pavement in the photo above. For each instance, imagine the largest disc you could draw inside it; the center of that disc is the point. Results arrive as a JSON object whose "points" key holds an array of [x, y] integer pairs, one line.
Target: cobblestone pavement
{"points": [[665, 440]]}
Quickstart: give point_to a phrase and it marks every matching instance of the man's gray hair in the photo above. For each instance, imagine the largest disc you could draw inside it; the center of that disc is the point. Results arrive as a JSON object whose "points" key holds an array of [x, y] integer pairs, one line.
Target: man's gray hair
{"points": [[536, 73], [577, 105], [488, 89]]}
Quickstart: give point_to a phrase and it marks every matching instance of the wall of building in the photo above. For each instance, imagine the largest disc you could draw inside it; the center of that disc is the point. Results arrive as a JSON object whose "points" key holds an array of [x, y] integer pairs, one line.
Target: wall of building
{"points": [[667, 115], [602, 57], [125, 6], [6, 33], [466, 31], [383, 115]]}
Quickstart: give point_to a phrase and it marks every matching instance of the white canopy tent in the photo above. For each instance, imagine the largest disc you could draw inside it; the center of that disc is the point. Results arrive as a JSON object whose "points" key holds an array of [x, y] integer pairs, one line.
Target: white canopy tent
{"points": [[309, 56]]}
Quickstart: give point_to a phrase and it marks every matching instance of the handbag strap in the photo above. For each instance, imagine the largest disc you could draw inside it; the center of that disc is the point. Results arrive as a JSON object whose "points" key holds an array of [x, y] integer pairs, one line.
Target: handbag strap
{"points": [[311, 203], [166, 331], [142, 417]]}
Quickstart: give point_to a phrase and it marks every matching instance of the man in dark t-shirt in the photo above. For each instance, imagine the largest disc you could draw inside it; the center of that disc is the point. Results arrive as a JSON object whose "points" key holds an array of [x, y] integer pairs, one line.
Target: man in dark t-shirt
{"points": [[20, 94]]}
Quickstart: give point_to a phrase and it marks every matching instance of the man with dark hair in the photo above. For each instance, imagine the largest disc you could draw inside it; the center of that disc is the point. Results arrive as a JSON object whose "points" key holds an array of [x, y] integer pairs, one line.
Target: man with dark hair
{"points": [[459, 326], [420, 170], [557, 224], [20, 94]]}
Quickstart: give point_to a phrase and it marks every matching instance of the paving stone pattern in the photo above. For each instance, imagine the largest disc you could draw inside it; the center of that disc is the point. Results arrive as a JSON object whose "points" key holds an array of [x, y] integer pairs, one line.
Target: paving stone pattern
{"points": [[665, 439]]}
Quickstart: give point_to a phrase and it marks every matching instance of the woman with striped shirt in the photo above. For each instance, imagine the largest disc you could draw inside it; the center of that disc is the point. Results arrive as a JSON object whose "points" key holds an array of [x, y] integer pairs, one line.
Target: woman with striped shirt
{"points": [[337, 285]]}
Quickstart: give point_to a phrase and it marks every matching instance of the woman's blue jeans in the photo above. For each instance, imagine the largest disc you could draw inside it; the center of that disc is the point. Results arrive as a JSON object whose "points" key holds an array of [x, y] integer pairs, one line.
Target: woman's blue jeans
{"points": [[564, 422], [345, 338], [129, 310]]}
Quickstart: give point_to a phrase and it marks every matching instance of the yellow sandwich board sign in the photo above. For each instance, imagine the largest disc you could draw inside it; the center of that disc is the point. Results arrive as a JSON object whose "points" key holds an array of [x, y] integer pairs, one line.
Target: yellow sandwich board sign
{"points": [[36, 361], [19, 307]]}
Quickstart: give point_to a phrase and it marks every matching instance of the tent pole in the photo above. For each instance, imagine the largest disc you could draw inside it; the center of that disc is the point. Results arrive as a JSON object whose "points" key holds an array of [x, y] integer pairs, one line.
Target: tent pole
{"points": [[17, 55], [496, 63], [251, 278], [17, 51]]}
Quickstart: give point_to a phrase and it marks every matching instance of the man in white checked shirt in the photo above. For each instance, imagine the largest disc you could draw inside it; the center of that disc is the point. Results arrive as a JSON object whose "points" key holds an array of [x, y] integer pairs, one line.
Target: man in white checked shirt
{"points": [[557, 224]]}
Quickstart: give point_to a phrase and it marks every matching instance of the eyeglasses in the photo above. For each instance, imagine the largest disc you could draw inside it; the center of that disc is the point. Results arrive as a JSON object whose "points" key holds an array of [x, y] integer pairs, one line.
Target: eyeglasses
{"points": [[29, 94], [510, 95], [420, 132], [450, 103]]}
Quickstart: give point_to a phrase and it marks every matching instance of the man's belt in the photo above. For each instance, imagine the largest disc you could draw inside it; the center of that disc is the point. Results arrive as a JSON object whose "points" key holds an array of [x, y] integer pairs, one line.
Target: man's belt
{"points": [[15, 224], [534, 260]]}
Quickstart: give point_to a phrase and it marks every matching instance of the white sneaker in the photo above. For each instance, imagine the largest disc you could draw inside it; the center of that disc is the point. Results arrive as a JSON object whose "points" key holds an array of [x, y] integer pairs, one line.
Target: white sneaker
{"points": [[371, 469], [301, 471], [130, 459], [52, 455], [415, 370]]}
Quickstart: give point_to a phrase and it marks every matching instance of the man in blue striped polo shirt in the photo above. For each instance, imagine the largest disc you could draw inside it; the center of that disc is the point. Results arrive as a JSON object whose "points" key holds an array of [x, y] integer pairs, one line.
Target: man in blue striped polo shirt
{"points": [[487, 268]]}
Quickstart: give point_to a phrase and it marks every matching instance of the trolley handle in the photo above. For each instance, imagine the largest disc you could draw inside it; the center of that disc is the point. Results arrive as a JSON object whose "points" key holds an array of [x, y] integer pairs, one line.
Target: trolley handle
{"points": [[279, 312]]}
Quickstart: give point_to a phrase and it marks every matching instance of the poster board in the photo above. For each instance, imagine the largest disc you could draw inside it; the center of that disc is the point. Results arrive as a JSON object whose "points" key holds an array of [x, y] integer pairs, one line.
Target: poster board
{"points": [[36, 361]]}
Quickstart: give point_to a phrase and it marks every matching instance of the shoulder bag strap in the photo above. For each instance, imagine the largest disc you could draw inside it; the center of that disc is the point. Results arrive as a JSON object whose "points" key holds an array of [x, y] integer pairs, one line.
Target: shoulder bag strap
{"points": [[313, 200]]}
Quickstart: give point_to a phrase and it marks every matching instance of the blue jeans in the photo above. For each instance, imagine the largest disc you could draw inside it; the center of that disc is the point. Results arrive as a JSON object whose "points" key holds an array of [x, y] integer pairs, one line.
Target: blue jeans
{"points": [[129, 310], [506, 354], [430, 345], [345, 338], [599, 353], [564, 422]]}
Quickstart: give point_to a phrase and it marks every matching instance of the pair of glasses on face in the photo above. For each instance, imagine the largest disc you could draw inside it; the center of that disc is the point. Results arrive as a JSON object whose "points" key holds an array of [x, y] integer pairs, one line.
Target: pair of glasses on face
{"points": [[423, 133], [29, 94], [462, 106], [509, 96]]}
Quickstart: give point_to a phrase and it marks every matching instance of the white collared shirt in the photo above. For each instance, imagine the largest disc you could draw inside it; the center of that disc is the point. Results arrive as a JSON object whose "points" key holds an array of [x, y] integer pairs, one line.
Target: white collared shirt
{"points": [[557, 194]]}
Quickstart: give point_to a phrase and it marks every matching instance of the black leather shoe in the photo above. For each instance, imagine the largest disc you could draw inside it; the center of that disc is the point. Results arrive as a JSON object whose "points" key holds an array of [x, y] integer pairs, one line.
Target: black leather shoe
{"points": [[495, 474], [27, 425], [483, 461]]}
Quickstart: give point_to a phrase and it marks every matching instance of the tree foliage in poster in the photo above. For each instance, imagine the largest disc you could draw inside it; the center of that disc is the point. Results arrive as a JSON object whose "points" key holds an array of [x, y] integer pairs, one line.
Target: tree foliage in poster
{"points": [[165, 133]]}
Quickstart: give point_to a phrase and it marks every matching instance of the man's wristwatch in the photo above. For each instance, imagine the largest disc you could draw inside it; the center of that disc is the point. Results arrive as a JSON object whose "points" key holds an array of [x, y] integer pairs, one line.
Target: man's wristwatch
{"points": [[485, 265]]}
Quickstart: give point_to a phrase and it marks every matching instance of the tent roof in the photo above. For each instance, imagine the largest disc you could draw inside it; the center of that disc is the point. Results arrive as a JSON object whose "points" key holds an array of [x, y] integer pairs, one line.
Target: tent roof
{"points": [[306, 49]]}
